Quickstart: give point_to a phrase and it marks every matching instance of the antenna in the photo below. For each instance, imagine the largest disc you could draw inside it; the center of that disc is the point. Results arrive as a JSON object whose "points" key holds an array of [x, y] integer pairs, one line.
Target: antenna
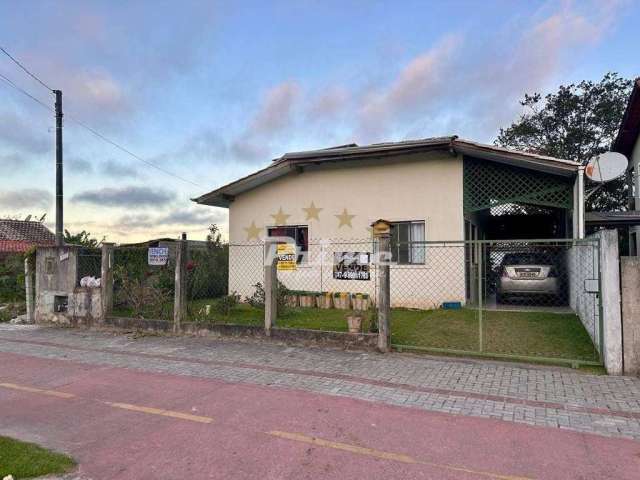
{"points": [[603, 168]]}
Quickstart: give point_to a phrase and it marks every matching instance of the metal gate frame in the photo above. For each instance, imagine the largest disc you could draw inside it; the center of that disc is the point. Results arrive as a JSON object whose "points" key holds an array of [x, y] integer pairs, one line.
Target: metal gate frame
{"points": [[481, 283]]}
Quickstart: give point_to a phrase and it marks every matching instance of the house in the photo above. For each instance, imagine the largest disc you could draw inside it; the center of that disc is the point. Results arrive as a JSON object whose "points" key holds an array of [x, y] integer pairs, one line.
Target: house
{"points": [[18, 236], [627, 142], [444, 189]]}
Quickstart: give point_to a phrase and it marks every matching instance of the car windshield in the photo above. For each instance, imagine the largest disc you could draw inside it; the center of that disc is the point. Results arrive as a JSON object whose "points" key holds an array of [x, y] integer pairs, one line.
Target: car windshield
{"points": [[527, 259]]}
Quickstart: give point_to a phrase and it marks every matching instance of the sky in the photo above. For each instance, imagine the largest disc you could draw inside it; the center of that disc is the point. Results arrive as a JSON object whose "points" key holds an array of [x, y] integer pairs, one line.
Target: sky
{"points": [[211, 91]]}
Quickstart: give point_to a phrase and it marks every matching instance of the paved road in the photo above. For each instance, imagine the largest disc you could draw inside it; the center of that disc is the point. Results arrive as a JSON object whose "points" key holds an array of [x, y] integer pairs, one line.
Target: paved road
{"points": [[158, 407]]}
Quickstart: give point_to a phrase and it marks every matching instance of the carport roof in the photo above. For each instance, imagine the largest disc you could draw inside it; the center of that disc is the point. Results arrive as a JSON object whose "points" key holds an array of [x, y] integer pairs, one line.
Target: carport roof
{"points": [[352, 153]]}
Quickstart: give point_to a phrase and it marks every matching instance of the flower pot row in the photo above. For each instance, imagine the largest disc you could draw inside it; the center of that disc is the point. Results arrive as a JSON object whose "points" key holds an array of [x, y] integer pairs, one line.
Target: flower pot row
{"points": [[325, 300]]}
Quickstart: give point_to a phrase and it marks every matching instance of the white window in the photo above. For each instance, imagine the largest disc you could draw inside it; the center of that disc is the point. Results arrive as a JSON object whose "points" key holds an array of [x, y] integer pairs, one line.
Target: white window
{"points": [[408, 242]]}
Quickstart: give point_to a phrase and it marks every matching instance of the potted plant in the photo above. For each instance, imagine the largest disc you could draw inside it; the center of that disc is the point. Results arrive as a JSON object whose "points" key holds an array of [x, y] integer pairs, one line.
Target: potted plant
{"points": [[323, 300], [360, 301], [354, 321], [341, 300], [307, 299]]}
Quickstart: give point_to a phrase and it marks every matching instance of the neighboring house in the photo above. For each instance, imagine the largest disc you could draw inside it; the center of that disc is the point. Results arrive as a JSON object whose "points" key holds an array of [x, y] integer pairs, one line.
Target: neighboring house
{"points": [[434, 189], [628, 143], [18, 236]]}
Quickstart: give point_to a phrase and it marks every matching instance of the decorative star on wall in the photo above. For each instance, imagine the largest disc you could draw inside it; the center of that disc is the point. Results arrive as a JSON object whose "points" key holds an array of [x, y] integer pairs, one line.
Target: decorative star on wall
{"points": [[344, 218], [280, 218], [253, 231], [312, 212]]}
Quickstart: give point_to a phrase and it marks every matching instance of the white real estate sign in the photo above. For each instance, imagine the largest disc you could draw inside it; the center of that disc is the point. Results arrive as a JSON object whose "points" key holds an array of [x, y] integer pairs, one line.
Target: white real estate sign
{"points": [[158, 255]]}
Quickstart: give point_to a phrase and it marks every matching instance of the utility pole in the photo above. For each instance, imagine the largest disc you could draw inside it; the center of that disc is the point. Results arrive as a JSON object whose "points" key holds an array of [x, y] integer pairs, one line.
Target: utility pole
{"points": [[59, 207]]}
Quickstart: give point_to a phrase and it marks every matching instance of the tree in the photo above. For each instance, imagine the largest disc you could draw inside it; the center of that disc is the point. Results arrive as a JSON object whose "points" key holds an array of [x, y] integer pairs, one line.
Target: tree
{"points": [[575, 123], [83, 239]]}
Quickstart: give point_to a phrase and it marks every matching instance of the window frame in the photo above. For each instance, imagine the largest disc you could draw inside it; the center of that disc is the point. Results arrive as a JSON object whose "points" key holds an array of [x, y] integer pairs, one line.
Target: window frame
{"points": [[302, 248], [411, 249]]}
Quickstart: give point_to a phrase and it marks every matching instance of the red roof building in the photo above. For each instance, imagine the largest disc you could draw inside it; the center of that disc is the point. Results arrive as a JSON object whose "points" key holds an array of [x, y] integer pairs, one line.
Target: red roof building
{"points": [[18, 236]]}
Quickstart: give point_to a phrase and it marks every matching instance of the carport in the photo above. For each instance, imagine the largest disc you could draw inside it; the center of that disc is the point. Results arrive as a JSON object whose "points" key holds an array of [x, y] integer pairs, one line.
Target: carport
{"points": [[518, 206]]}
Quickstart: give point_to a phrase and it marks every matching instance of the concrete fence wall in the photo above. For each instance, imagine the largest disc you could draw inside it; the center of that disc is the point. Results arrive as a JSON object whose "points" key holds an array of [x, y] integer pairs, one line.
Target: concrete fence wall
{"points": [[630, 286]]}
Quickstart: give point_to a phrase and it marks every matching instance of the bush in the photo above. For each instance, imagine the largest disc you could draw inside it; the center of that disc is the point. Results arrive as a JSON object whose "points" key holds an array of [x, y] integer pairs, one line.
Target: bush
{"points": [[224, 305], [257, 299], [12, 278]]}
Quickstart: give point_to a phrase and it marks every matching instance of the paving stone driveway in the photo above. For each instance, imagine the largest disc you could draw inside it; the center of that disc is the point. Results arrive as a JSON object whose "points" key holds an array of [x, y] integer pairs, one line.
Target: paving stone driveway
{"points": [[544, 396]]}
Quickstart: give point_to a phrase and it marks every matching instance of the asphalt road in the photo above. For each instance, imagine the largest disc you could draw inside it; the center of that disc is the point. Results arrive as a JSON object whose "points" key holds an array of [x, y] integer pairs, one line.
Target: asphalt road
{"points": [[121, 423]]}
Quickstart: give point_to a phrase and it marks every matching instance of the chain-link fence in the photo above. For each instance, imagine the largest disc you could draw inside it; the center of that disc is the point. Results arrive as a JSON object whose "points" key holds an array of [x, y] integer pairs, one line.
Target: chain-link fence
{"points": [[216, 295], [89, 266], [535, 299], [331, 286], [142, 290]]}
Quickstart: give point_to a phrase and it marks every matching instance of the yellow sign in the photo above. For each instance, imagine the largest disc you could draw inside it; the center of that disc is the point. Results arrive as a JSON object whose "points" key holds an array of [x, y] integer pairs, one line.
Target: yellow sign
{"points": [[286, 255]]}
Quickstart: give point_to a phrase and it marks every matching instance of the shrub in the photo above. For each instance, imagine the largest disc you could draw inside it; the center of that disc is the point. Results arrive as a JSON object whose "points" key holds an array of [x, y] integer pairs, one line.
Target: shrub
{"points": [[257, 299], [224, 305]]}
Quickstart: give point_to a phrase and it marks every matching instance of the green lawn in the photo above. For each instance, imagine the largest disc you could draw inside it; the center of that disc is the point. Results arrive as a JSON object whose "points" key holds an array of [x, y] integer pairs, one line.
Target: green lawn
{"points": [[535, 334], [538, 334], [27, 460]]}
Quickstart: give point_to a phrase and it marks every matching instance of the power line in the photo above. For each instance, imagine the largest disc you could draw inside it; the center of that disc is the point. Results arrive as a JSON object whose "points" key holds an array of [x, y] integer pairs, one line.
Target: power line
{"points": [[129, 152], [32, 75], [24, 92], [93, 131]]}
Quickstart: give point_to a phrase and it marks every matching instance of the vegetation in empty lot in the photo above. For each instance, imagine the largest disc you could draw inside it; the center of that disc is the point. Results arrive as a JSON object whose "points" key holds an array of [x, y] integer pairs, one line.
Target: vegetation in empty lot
{"points": [[27, 460]]}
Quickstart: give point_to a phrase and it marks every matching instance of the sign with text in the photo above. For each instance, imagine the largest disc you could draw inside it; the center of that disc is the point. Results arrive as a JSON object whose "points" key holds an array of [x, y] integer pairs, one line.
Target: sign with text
{"points": [[351, 266], [286, 256], [158, 255]]}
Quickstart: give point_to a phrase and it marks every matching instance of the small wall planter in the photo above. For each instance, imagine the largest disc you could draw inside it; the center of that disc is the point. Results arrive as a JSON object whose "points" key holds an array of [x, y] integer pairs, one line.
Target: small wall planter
{"points": [[291, 300], [307, 299], [360, 301], [342, 301], [324, 300]]}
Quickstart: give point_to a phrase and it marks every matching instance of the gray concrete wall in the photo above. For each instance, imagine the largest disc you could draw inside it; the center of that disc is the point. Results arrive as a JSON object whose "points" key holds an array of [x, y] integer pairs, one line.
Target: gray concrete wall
{"points": [[56, 275], [610, 297], [630, 287]]}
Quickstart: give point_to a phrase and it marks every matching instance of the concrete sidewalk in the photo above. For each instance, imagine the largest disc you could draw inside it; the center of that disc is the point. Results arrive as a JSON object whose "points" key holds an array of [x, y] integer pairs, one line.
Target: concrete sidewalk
{"points": [[544, 396]]}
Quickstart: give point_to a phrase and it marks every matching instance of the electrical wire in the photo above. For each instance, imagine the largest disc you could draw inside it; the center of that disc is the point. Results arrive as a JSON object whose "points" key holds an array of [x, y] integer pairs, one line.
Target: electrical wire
{"points": [[82, 124], [32, 75], [129, 152], [24, 92]]}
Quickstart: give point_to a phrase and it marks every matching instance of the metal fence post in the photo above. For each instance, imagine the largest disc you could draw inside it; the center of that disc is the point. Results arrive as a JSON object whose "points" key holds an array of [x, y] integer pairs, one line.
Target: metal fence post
{"points": [[180, 294], [28, 287], [106, 279], [270, 289], [382, 232], [480, 295]]}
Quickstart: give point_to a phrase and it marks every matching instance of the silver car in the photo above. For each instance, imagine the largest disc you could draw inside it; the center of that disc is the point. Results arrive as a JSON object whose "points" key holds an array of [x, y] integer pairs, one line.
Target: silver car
{"points": [[527, 274]]}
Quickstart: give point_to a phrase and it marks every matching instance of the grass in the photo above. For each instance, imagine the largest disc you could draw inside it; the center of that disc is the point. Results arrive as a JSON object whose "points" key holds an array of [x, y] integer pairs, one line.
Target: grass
{"points": [[27, 460], [534, 334], [539, 334]]}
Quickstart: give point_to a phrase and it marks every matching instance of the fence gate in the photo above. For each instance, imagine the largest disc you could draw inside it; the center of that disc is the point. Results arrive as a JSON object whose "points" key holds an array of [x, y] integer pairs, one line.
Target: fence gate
{"points": [[535, 300]]}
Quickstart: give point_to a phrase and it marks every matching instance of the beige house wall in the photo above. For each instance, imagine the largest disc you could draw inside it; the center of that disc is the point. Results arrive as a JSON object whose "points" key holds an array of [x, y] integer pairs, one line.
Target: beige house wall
{"points": [[426, 186]]}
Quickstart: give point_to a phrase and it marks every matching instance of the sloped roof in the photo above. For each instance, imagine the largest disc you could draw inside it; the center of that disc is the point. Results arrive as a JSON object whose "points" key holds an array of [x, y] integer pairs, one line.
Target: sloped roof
{"points": [[631, 217], [352, 153], [20, 235], [630, 126]]}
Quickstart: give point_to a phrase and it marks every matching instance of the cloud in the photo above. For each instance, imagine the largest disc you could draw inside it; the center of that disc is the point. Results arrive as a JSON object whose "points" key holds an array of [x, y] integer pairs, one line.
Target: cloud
{"points": [[276, 109], [26, 198], [112, 168], [77, 165], [411, 91], [193, 217], [328, 104], [19, 134], [126, 197]]}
